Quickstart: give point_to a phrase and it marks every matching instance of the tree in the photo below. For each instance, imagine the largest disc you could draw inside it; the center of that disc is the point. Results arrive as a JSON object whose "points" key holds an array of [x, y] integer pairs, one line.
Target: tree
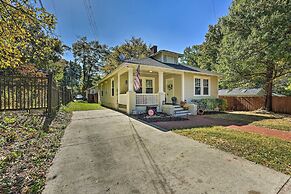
{"points": [[92, 56], [255, 48], [135, 48], [191, 56], [209, 50], [26, 34], [72, 76], [205, 56]]}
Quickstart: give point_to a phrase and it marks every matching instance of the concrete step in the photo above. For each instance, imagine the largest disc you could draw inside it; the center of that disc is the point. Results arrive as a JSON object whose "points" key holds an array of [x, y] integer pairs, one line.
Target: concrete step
{"points": [[179, 109], [181, 114]]}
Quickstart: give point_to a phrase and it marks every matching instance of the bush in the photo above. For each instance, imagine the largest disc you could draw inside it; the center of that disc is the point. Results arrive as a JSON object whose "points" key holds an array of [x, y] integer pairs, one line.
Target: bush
{"points": [[210, 104]]}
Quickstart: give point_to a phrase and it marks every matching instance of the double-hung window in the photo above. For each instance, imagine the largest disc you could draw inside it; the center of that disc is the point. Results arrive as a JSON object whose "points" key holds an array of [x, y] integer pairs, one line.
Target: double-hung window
{"points": [[197, 86], [205, 87], [201, 87], [149, 86]]}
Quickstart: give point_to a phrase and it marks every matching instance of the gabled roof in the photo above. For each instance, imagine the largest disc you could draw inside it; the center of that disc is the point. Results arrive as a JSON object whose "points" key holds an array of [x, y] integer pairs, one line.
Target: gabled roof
{"points": [[241, 92], [167, 51], [150, 61]]}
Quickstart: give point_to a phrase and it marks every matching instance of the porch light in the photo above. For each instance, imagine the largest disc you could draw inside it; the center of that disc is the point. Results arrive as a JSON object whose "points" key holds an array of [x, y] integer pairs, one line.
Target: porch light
{"points": [[151, 71]]}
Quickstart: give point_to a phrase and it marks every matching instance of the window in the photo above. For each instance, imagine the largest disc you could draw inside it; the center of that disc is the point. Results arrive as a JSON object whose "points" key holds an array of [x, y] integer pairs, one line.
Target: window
{"points": [[197, 86], [201, 87], [165, 59], [112, 87], [102, 90], [149, 86], [205, 87]]}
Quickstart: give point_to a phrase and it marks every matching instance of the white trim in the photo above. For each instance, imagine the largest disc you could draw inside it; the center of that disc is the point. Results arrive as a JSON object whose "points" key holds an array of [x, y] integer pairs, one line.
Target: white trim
{"points": [[143, 79], [130, 79], [118, 87], [183, 87], [112, 79], [161, 81], [201, 85]]}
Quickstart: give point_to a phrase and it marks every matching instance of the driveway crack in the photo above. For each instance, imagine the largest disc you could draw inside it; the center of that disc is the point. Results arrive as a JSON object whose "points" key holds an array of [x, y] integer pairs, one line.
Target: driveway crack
{"points": [[284, 185]]}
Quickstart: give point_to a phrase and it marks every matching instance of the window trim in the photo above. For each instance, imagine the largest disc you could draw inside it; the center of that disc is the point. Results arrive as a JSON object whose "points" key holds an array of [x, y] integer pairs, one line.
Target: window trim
{"points": [[102, 93], [143, 79], [202, 85], [112, 89]]}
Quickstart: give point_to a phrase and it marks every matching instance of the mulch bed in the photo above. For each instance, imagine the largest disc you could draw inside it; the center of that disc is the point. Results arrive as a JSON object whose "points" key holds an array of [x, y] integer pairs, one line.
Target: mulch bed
{"points": [[28, 144], [159, 117]]}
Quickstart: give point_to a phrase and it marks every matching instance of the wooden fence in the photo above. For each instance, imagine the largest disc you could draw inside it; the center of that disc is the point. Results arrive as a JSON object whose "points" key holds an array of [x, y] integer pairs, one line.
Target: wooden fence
{"points": [[25, 93], [279, 104]]}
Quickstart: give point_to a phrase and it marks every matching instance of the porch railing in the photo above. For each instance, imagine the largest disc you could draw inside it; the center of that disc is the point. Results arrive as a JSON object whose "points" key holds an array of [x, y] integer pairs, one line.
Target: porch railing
{"points": [[147, 99], [122, 99]]}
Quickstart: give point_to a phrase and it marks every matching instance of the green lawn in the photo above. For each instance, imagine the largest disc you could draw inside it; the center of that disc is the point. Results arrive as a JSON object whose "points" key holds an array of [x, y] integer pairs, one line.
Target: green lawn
{"points": [[264, 120], [270, 152], [82, 106]]}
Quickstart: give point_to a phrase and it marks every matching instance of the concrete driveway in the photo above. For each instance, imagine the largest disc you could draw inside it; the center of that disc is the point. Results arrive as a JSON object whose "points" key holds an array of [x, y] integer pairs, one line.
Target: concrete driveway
{"points": [[105, 151]]}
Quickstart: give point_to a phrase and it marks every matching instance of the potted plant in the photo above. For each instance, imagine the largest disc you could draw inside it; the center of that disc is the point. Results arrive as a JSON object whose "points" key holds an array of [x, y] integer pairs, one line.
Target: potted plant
{"points": [[174, 100]]}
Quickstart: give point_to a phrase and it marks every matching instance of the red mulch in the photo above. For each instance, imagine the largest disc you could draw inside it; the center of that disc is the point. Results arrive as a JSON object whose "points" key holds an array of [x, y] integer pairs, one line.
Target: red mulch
{"points": [[204, 121], [193, 121], [284, 135]]}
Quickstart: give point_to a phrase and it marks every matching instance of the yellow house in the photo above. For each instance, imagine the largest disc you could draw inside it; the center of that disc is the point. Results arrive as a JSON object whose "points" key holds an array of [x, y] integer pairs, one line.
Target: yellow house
{"points": [[162, 77]]}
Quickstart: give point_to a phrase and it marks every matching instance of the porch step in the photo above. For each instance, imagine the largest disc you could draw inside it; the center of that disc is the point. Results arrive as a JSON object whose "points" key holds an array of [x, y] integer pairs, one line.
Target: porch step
{"points": [[181, 114], [179, 109]]}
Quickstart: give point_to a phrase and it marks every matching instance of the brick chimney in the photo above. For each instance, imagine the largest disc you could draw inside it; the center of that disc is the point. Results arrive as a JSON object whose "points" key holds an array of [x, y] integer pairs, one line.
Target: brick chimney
{"points": [[154, 49]]}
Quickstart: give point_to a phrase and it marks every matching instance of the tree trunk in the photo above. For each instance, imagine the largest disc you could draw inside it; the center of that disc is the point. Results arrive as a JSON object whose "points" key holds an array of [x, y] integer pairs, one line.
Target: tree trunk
{"points": [[269, 88]]}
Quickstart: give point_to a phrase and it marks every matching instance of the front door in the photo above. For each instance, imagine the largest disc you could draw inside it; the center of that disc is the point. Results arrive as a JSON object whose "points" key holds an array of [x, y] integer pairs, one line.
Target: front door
{"points": [[169, 90]]}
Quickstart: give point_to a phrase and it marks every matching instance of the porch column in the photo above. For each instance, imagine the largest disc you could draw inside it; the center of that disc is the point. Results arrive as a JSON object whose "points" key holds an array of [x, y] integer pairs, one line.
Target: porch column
{"points": [[118, 88], [161, 90], [161, 81], [183, 86], [130, 79], [131, 96]]}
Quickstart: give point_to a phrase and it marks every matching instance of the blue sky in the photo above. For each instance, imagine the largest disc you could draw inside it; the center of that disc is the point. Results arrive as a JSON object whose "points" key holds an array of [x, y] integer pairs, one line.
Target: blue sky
{"points": [[169, 24]]}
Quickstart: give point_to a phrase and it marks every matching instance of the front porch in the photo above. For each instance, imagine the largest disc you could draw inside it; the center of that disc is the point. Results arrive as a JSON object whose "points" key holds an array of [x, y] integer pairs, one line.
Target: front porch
{"points": [[157, 88]]}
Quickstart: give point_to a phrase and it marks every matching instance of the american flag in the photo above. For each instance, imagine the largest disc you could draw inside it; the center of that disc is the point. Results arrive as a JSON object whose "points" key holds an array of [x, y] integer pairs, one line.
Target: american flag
{"points": [[137, 84]]}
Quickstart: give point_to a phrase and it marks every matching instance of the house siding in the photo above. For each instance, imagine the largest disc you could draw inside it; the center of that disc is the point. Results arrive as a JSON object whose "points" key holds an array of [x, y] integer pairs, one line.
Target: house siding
{"points": [[189, 86], [107, 99], [112, 101]]}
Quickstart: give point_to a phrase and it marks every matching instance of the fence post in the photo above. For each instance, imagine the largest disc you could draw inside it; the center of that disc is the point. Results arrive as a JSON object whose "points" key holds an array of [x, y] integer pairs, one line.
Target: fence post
{"points": [[49, 92]]}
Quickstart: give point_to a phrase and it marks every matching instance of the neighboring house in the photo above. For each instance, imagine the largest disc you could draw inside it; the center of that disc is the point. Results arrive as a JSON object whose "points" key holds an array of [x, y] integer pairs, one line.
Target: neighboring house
{"points": [[243, 92], [92, 94], [162, 77]]}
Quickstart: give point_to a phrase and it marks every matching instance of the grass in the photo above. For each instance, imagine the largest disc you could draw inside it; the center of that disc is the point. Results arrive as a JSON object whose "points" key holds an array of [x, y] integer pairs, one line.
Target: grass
{"points": [[280, 124], [270, 152], [81, 106], [263, 120]]}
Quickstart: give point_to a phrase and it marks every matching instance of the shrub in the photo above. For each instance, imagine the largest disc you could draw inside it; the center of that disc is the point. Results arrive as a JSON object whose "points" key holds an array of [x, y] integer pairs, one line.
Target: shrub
{"points": [[210, 104]]}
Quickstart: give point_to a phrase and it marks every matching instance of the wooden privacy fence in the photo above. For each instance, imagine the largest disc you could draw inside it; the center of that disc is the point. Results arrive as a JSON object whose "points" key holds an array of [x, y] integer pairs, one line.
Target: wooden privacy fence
{"points": [[25, 93], [279, 104]]}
